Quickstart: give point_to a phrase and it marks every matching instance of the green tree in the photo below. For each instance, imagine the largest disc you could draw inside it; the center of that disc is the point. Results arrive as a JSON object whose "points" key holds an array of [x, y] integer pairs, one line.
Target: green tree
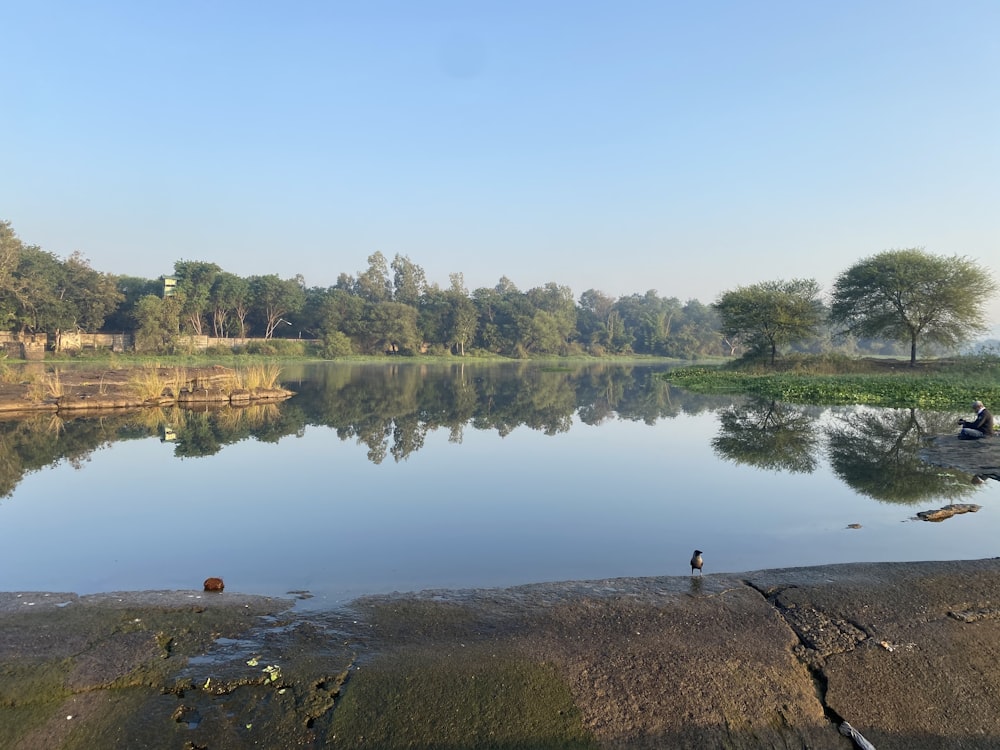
{"points": [[409, 281], [432, 315], [195, 280], [647, 320], [341, 312], [52, 296], [158, 322], [600, 323], [336, 344], [39, 292], [10, 256], [94, 296], [273, 298], [131, 289], [10, 247], [696, 332], [540, 333], [911, 295], [229, 301], [503, 310], [553, 321], [771, 314], [374, 284], [448, 318], [391, 327], [462, 320]]}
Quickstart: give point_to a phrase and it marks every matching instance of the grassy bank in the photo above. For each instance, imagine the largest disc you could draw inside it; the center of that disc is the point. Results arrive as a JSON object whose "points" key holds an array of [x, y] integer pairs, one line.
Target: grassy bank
{"points": [[935, 384]]}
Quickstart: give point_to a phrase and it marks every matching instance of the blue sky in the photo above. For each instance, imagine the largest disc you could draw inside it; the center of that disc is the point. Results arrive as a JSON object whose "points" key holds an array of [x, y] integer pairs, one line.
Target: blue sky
{"points": [[683, 147]]}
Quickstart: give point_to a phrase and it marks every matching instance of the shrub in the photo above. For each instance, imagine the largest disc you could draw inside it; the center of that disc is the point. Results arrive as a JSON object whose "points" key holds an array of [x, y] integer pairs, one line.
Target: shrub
{"points": [[220, 350], [337, 344], [277, 348], [265, 348]]}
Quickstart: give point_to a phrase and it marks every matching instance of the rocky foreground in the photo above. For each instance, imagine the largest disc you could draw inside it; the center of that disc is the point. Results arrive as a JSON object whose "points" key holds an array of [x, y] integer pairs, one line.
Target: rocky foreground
{"points": [[905, 653]]}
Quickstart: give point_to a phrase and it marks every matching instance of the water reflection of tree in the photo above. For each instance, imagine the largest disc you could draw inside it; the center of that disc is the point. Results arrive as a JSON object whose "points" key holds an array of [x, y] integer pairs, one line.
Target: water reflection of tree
{"points": [[388, 409], [769, 435], [42, 440], [878, 455], [205, 432]]}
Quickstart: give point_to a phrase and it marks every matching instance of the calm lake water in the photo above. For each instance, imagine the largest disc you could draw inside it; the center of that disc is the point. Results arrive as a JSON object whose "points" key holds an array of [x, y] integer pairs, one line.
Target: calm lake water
{"points": [[405, 477]]}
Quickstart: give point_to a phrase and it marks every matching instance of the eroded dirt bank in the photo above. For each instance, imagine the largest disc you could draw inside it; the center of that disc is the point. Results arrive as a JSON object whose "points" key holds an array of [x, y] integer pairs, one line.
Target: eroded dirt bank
{"points": [[906, 653]]}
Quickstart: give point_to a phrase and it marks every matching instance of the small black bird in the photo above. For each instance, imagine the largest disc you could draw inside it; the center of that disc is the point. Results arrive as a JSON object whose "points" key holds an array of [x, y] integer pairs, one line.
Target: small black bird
{"points": [[696, 562]]}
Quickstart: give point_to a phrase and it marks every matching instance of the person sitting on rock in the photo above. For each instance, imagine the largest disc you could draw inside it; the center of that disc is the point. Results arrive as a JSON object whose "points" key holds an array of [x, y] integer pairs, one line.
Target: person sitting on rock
{"points": [[981, 426]]}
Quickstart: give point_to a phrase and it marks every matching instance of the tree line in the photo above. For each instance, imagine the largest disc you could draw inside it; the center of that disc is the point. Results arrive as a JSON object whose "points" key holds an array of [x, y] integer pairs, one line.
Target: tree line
{"points": [[909, 296], [390, 307], [387, 307]]}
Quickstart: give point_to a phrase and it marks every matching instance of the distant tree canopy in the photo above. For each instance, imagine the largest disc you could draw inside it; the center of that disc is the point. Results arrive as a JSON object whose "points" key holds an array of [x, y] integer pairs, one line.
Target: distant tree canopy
{"points": [[771, 314], [41, 293], [911, 295], [391, 307]]}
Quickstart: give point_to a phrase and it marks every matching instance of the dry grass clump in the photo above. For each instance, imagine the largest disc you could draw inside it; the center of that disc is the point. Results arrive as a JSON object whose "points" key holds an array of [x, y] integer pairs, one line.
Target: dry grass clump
{"points": [[9, 374], [152, 381], [44, 387], [53, 385], [259, 376]]}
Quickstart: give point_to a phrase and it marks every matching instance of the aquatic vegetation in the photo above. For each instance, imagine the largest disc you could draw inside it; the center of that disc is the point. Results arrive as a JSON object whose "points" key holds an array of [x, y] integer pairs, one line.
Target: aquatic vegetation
{"points": [[936, 390]]}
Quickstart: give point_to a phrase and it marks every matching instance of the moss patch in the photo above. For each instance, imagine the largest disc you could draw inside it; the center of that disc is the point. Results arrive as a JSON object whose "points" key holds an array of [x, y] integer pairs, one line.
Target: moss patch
{"points": [[478, 698], [71, 674]]}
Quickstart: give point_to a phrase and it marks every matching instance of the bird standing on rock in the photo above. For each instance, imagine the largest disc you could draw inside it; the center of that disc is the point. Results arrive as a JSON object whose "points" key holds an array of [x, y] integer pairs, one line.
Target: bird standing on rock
{"points": [[696, 562]]}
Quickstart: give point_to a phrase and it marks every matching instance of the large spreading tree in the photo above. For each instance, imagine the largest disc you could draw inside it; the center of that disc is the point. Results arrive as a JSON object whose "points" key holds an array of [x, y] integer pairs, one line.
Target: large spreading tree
{"points": [[766, 316], [40, 292], [911, 295]]}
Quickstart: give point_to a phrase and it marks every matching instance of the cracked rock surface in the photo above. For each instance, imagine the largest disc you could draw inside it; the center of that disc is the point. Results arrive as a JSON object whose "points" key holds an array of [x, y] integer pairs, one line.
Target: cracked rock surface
{"points": [[906, 653], [926, 674]]}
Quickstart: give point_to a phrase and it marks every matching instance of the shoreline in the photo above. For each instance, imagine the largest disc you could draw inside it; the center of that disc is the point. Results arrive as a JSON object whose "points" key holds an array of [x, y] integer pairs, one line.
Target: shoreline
{"points": [[904, 652], [85, 391]]}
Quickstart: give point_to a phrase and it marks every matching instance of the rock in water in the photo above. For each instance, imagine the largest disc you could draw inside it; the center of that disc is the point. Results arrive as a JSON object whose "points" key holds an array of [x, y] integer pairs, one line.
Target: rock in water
{"points": [[947, 511]]}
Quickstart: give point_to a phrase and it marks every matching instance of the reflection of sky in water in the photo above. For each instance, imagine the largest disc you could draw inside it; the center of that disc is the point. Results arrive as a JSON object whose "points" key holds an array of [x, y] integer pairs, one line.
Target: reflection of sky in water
{"points": [[311, 512]]}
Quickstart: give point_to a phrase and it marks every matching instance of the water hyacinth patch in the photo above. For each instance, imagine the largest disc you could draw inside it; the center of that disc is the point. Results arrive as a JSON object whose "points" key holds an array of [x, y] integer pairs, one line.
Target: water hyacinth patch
{"points": [[937, 391]]}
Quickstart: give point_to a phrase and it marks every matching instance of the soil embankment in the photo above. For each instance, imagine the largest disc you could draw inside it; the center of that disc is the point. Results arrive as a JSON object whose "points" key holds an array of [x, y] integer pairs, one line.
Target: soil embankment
{"points": [[906, 653]]}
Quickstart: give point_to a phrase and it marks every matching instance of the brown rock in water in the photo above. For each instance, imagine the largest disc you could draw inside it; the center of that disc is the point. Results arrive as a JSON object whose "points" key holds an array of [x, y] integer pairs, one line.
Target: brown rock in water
{"points": [[214, 584], [947, 511]]}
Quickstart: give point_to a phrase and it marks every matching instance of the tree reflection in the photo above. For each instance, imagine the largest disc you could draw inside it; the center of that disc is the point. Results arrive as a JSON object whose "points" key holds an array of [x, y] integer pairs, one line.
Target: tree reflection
{"points": [[390, 410], [769, 435], [878, 454], [42, 440], [387, 409]]}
